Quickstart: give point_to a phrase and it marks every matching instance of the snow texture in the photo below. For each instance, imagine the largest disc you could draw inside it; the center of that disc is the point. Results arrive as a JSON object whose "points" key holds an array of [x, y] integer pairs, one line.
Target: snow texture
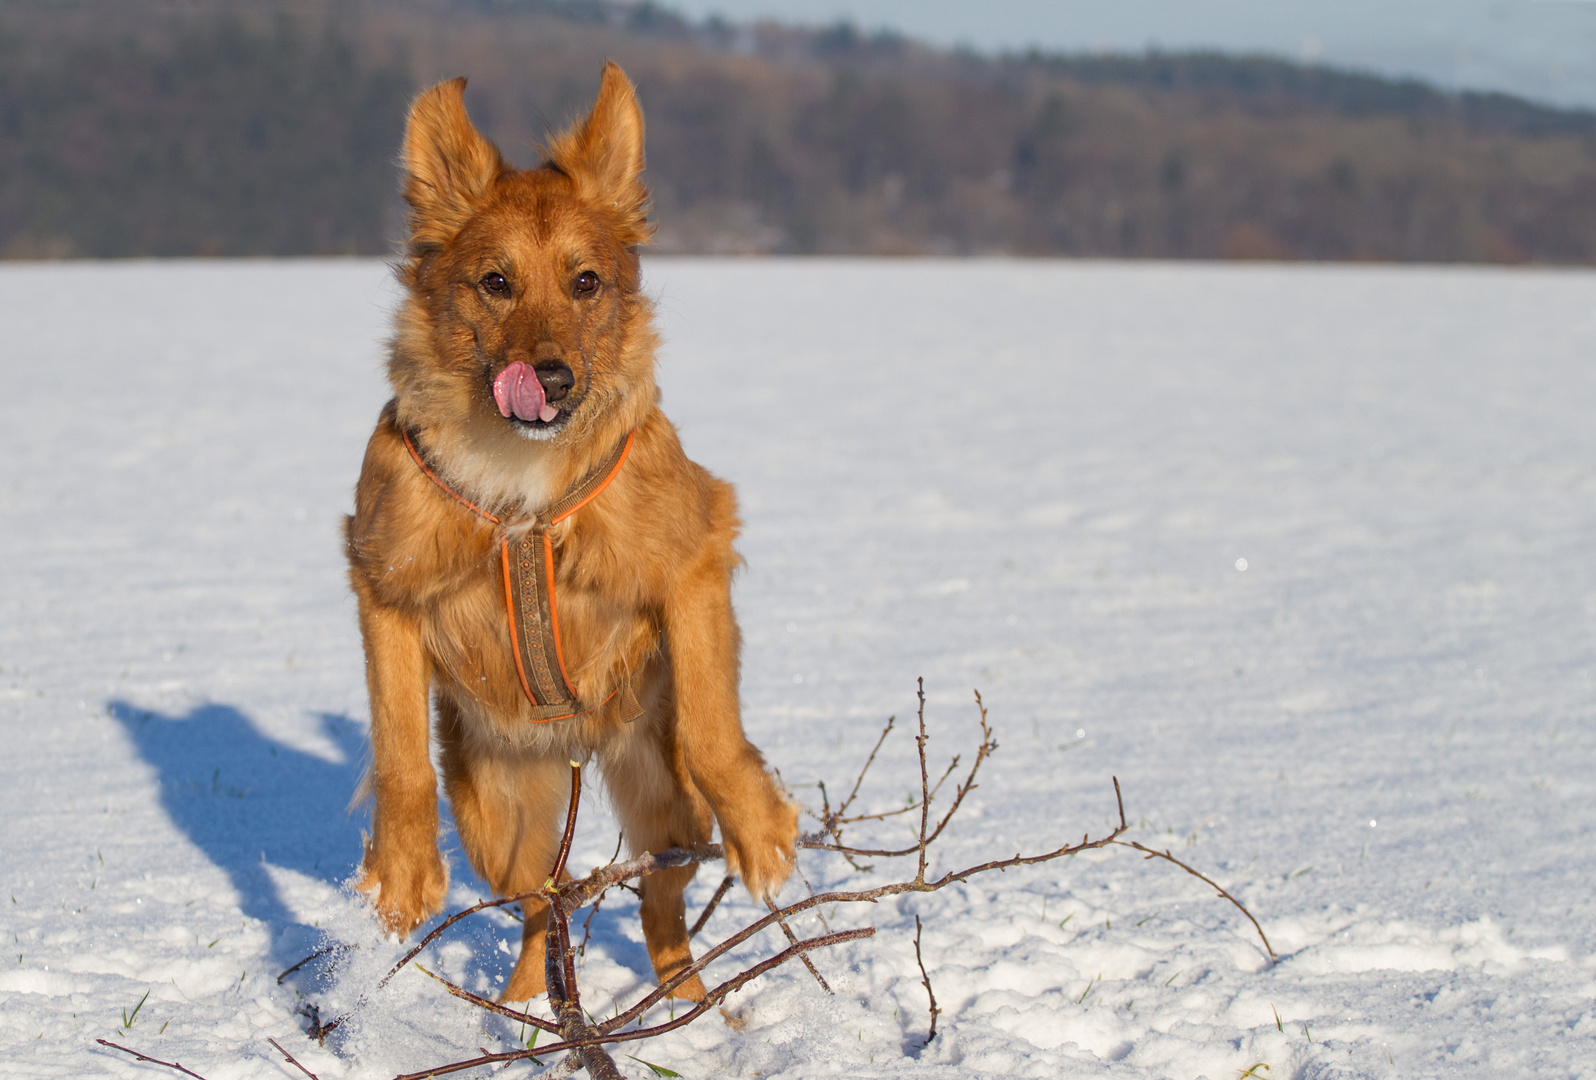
{"points": [[1301, 554]]}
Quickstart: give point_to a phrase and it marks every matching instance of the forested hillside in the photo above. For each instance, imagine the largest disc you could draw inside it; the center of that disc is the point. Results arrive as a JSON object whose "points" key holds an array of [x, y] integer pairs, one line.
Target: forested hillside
{"points": [[218, 127]]}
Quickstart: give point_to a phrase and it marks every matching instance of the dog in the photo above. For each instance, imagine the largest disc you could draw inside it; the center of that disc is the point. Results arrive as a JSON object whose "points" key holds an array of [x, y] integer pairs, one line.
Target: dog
{"points": [[533, 553]]}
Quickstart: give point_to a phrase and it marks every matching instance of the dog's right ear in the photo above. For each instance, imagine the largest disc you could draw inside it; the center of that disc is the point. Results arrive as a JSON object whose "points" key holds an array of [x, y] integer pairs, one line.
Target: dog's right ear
{"points": [[448, 164]]}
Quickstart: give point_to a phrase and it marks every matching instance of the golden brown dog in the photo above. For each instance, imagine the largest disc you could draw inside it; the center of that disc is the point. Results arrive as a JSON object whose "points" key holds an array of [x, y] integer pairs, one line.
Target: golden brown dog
{"points": [[522, 365]]}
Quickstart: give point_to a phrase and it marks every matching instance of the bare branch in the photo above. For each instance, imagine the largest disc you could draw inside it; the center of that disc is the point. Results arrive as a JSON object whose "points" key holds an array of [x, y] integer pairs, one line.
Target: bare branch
{"points": [[587, 924], [575, 894], [570, 825], [842, 808], [793, 940], [925, 792], [317, 955], [492, 1006], [152, 1061], [292, 1060], [559, 960], [318, 1030], [914, 804], [709, 908], [984, 751], [1166, 856], [437, 931], [721, 992], [926, 979]]}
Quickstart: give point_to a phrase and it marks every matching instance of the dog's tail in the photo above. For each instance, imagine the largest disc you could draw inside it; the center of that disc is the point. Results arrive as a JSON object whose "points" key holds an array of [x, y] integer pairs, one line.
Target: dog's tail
{"points": [[363, 789]]}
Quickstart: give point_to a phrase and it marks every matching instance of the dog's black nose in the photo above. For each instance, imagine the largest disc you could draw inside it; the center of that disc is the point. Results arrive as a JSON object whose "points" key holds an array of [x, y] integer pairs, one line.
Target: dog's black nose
{"points": [[556, 377]]}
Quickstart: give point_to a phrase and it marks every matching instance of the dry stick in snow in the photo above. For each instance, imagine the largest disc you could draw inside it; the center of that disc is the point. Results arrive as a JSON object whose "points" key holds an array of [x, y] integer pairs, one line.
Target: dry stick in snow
{"points": [[152, 1061], [792, 938], [927, 980], [559, 959], [483, 1003], [317, 955], [292, 1060], [709, 908], [583, 1040], [587, 924], [1165, 855]]}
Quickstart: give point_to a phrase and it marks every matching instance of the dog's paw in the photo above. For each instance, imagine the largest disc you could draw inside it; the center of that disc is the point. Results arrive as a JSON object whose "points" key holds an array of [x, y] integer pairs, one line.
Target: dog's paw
{"points": [[405, 892], [760, 844]]}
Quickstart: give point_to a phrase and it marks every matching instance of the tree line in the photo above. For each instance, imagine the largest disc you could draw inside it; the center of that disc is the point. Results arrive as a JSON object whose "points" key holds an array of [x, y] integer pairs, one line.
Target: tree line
{"points": [[214, 127]]}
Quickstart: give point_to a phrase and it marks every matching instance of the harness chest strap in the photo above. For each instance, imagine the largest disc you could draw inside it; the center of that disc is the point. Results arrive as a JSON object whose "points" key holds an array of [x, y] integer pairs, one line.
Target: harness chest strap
{"points": [[528, 564]]}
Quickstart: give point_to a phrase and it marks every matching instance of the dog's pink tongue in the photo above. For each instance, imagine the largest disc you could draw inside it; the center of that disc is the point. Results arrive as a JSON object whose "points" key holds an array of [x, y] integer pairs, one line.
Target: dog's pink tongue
{"points": [[518, 393]]}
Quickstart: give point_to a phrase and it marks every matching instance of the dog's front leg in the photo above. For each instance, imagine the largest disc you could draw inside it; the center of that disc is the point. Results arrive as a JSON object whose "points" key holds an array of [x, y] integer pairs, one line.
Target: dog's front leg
{"points": [[757, 823], [402, 871]]}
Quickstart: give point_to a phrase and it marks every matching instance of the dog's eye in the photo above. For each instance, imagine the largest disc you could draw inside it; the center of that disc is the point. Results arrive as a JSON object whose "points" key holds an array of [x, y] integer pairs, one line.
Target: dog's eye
{"points": [[495, 284], [586, 283]]}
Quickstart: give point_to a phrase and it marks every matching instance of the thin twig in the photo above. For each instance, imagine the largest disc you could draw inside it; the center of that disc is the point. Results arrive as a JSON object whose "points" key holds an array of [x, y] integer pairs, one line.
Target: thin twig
{"points": [[914, 804], [819, 912], [927, 836], [725, 989], [982, 752], [152, 1061], [317, 955], [709, 908], [925, 793], [437, 931], [792, 939], [587, 924], [318, 1030], [292, 1060], [842, 807], [559, 959], [925, 978], [570, 826], [1165, 855], [492, 1006]]}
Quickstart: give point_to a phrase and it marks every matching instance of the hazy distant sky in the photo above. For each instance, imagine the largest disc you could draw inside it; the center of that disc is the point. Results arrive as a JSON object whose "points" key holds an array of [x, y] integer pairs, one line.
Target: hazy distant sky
{"points": [[1545, 49]]}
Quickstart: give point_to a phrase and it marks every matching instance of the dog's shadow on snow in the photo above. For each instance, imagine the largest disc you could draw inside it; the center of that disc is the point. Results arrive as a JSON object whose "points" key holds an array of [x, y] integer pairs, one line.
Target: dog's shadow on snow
{"points": [[246, 800]]}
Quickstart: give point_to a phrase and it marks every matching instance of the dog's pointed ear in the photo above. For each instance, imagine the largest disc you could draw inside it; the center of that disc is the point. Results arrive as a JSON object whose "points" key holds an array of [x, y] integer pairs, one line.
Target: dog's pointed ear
{"points": [[448, 164], [603, 154]]}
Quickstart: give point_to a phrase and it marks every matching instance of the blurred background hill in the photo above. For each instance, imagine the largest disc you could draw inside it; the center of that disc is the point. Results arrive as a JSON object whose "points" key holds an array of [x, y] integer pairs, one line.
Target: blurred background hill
{"points": [[216, 127]]}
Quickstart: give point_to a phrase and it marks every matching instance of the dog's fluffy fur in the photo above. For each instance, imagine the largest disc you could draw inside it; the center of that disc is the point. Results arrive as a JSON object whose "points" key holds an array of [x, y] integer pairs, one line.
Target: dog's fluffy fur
{"points": [[643, 571]]}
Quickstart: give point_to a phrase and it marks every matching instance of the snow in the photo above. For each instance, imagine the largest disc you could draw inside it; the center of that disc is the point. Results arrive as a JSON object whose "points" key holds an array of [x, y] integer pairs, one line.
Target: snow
{"points": [[1300, 554]]}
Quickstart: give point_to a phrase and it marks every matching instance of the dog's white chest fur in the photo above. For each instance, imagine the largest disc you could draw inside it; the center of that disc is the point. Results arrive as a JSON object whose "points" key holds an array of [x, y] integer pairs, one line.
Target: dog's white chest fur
{"points": [[509, 474]]}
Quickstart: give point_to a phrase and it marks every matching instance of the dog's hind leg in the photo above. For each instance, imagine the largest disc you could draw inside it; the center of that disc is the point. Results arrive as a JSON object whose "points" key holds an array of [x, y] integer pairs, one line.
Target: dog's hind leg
{"points": [[507, 808], [659, 808]]}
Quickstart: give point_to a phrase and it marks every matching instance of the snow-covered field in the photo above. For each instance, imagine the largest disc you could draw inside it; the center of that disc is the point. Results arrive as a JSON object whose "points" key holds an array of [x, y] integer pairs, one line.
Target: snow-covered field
{"points": [[1303, 555]]}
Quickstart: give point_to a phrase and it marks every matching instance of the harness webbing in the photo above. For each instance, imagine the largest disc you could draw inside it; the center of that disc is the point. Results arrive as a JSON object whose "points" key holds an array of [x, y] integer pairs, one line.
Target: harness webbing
{"points": [[527, 560]]}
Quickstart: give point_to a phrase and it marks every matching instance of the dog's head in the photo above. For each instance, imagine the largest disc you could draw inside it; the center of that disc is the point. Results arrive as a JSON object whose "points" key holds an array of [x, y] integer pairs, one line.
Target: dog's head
{"points": [[524, 326]]}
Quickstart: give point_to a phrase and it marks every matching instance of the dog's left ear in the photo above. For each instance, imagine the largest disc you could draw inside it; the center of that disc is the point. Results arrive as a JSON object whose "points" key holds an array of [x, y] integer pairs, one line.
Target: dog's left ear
{"points": [[603, 154]]}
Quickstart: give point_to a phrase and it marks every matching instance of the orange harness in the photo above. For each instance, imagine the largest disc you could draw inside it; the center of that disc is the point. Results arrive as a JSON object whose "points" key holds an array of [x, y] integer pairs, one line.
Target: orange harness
{"points": [[528, 563]]}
